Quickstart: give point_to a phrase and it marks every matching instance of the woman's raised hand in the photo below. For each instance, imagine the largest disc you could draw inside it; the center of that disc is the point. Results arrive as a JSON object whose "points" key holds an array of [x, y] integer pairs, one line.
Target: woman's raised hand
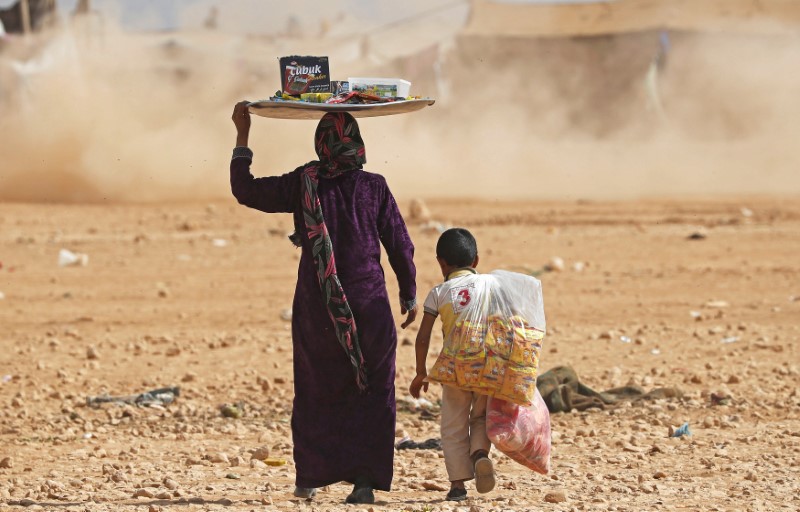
{"points": [[241, 119]]}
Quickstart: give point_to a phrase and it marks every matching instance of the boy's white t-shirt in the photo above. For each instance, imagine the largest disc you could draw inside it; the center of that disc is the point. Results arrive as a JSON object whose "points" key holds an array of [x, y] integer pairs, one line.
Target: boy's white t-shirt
{"points": [[448, 299]]}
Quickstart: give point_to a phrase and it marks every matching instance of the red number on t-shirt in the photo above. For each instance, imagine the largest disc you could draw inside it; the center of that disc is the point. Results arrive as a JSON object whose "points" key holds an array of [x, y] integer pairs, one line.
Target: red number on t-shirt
{"points": [[465, 298]]}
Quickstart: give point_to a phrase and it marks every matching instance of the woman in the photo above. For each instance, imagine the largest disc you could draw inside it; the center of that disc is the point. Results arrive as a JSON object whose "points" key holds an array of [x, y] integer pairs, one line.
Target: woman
{"points": [[343, 416]]}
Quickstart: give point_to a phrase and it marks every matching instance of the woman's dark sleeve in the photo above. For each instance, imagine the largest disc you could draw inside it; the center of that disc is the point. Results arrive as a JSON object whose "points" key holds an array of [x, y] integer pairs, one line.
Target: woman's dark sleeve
{"points": [[399, 248], [272, 194]]}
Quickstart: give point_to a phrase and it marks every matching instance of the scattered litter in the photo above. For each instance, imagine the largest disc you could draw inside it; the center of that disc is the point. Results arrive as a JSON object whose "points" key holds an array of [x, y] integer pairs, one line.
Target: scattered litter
{"points": [[624, 339], [7, 378], [87, 435], [275, 462], [2, 296], [683, 430], [730, 339], [655, 351], [409, 444], [696, 315], [219, 242], [578, 266], [716, 304], [235, 411], [153, 398], [720, 399], [416, 404], [696, 236], [68, 258], [746, 212]]}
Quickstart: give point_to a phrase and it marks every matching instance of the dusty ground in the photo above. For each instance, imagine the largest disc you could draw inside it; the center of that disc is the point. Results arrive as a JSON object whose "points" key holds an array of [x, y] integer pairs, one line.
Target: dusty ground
{"points": [[192, 295]]}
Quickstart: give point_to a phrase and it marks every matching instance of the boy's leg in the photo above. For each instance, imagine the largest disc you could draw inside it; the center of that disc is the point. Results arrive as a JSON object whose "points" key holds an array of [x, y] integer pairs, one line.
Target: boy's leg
{"points": [[455, 426], [480, 445], [478, 438]]}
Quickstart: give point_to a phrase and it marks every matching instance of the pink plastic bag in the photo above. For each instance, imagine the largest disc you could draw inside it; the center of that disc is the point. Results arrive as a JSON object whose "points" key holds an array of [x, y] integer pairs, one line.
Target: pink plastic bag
{"points": [[522, 433]]}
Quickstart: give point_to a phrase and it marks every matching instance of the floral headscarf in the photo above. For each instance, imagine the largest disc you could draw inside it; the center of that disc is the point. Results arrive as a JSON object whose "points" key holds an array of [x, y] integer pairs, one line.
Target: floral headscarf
{"points": [[340, 149]]}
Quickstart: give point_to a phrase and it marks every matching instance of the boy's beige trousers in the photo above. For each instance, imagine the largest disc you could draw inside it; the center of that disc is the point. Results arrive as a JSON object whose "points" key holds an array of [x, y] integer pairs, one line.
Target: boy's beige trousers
{"points": [[463, 430]]}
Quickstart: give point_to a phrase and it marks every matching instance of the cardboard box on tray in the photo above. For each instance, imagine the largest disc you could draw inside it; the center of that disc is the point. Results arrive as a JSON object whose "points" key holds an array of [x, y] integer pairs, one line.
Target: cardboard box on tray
{"points": [[304, 74]]}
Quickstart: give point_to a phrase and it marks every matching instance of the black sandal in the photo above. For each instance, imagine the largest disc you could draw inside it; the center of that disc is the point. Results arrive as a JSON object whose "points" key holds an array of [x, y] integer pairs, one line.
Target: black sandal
{"points": [[361, 495], [457, 494]]}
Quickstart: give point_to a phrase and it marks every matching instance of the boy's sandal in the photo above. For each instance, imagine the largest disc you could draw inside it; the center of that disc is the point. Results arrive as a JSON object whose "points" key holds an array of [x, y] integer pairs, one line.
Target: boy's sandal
{"points": [[457, 494], [484, 475]]}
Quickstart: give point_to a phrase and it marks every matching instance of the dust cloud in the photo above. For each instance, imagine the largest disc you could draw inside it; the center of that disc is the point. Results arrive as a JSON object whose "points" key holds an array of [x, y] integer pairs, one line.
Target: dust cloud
{"points": [[102, 115]]}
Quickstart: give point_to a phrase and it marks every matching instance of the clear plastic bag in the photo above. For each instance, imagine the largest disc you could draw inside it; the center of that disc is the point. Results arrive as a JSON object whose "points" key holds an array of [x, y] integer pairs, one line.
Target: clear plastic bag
{"points": [[521, 432], [497, 337]]}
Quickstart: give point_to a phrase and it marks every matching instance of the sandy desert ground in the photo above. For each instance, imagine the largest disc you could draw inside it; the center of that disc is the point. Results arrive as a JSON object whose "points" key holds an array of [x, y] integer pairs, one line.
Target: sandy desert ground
{"points": [[102, 156], [192, 295]]}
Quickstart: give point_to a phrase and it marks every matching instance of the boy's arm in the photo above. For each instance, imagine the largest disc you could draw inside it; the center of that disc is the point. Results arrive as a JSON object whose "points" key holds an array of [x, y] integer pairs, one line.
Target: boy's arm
{"points": [[421, 349]]}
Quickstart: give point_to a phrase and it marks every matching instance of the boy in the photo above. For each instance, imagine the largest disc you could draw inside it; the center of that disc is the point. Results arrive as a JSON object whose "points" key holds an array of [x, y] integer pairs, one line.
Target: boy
{"points": [[463, 424]]}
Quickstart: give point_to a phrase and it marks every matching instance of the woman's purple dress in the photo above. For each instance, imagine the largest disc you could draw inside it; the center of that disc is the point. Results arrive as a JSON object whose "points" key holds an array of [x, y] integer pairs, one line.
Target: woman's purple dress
{"points": [[340, 434]]}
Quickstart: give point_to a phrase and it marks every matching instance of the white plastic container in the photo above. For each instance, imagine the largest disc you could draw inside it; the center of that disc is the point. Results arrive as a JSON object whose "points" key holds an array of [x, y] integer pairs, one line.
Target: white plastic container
{"points": [[381, 86]]}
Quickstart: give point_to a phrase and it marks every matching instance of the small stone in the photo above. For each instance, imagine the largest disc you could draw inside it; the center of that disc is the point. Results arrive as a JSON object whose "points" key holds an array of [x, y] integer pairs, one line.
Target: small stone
{"points": [[286, 315], [164, 495], [555, 497], [751, 475], [734, 379], [419, 211], [154, 508], [257, 464], [238, 461], [433, 486], [144, 493], [658, 475], [556, 264], [232, 476], [260, 453], [170, 484], [91, 353], [6, 463], [220, 458]]}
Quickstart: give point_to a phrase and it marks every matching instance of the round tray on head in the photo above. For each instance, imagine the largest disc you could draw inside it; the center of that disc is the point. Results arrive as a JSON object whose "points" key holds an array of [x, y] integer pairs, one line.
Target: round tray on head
{"points": [[304, 110]]}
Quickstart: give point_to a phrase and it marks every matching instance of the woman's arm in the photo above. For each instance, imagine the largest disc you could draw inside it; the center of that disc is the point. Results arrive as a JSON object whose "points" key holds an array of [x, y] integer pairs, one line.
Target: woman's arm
{"points": [[400, 251], [271, 194]]}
